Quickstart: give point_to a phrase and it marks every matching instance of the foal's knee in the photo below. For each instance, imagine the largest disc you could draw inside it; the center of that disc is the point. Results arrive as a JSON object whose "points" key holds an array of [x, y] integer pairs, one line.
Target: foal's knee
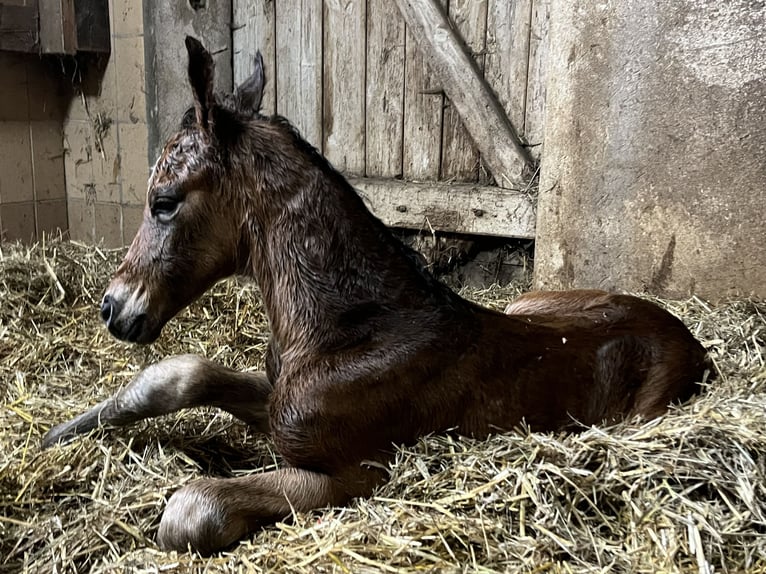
{"points": [[198, 517]]}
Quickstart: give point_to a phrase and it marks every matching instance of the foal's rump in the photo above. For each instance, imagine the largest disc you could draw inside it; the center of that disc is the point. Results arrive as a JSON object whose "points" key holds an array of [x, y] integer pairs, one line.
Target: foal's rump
{"points": [[600, 357]]}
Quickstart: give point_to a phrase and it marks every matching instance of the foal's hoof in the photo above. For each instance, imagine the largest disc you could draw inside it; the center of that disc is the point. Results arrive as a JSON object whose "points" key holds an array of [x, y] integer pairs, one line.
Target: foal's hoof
{"points": [[197, 517], [58, 434]]}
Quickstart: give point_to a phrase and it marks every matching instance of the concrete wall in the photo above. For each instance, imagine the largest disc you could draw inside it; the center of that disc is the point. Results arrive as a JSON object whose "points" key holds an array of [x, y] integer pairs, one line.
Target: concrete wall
{"points": [[106, 135], [654, 170], [32, 191]]}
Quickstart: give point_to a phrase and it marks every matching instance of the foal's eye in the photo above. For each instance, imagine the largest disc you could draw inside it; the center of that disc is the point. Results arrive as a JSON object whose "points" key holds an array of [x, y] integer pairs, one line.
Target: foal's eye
{"points": [[164, 208]]}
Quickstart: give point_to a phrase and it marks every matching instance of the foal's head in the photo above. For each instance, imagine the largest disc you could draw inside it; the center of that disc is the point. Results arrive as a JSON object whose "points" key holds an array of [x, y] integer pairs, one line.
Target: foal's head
{"points": [[191, 233]]}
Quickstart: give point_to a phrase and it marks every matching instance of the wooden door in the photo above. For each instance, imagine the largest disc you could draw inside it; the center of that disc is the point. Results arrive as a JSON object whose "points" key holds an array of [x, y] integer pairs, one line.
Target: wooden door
{"points": [[368, 82]]}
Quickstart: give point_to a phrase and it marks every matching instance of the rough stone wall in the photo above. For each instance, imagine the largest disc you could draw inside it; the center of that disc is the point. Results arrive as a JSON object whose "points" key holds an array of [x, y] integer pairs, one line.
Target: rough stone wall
{"points": [[654, 167]]}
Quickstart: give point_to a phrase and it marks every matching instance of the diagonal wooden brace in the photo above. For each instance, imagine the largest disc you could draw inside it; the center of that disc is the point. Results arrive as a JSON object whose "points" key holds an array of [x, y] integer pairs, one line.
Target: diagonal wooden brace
{"points": [[482, 114]]}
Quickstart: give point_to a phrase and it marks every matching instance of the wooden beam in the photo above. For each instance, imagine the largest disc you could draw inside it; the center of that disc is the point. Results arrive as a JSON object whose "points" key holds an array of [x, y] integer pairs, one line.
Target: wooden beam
{"points": [[537, 77], [507, 58], [18, 28], [255, 29], [452, 207], [344, 93], [385, 90], [460, 78], [423, 108], [58, 31], [298, 76]]}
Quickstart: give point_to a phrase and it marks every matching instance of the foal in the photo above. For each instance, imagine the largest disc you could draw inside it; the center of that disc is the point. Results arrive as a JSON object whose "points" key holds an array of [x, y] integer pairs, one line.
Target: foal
{"points": [[368, 350]]}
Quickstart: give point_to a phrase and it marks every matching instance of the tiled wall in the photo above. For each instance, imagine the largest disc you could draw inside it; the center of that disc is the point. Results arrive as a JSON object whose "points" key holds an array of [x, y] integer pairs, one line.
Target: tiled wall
{"points": [[32, 189], [105, 136]]}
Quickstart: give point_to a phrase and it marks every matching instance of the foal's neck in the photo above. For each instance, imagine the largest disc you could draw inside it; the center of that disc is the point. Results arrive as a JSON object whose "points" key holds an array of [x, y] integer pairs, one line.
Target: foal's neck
{"points": [[326, 266]]}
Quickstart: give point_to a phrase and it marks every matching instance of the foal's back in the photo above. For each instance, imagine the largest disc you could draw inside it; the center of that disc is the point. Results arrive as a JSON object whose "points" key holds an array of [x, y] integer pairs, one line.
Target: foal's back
{"points": [[579, 357]]}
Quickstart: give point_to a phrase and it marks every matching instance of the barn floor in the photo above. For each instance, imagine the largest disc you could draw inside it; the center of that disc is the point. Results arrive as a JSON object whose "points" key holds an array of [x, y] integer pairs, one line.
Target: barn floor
{"points": [[686, 493]]}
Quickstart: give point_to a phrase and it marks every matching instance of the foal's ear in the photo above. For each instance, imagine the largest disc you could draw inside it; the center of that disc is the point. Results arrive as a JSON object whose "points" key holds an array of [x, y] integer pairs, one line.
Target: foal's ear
{"points": [[201, 69], [250, 92]]}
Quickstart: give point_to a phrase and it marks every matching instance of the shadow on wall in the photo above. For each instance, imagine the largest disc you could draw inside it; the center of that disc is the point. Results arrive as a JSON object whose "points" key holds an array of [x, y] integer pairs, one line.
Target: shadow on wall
{"points": [[64, 122], [32, 180]]}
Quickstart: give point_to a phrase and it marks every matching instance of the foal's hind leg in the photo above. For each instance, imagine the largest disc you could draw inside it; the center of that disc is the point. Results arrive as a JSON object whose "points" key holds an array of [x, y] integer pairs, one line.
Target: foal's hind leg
{"points": [[174, 384], [212, 514]]}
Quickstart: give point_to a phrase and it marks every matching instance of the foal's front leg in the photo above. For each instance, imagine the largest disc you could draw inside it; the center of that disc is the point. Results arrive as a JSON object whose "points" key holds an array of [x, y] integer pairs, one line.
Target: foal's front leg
{"points": [[171, 385], [212, 514]]}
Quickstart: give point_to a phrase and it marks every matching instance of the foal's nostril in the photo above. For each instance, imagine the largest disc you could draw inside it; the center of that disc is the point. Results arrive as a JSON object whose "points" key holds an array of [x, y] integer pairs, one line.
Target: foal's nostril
{"points": [[107, 309]]}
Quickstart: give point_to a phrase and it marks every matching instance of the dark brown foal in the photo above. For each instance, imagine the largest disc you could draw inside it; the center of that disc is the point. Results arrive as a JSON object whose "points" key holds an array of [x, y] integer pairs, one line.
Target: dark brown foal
{"points": [[368, 350]]}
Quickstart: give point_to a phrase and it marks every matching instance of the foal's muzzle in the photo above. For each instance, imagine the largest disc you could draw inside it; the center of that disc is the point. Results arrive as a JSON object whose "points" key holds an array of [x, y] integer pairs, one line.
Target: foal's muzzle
{"points": [[108, 309], [124, 327]]}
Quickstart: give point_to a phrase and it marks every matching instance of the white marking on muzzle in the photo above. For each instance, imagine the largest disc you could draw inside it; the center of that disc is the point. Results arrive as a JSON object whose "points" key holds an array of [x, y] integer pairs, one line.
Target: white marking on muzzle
{"points": [[131, 300]]}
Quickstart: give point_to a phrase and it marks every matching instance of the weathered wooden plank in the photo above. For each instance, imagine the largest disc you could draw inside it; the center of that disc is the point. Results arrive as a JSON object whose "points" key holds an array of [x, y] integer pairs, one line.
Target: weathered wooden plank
{"points": [[18, 28], [481, 113], [254, 27], [423, 111], [385, 89], [344, 89], [240, 12], [58, 33], [457, 208], [507, 58], [299, 66], [534, 120], [460, 157]]}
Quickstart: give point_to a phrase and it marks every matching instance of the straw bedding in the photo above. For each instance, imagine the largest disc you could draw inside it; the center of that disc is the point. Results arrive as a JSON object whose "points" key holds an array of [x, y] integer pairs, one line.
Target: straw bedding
{"points": [[685, 493]]}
